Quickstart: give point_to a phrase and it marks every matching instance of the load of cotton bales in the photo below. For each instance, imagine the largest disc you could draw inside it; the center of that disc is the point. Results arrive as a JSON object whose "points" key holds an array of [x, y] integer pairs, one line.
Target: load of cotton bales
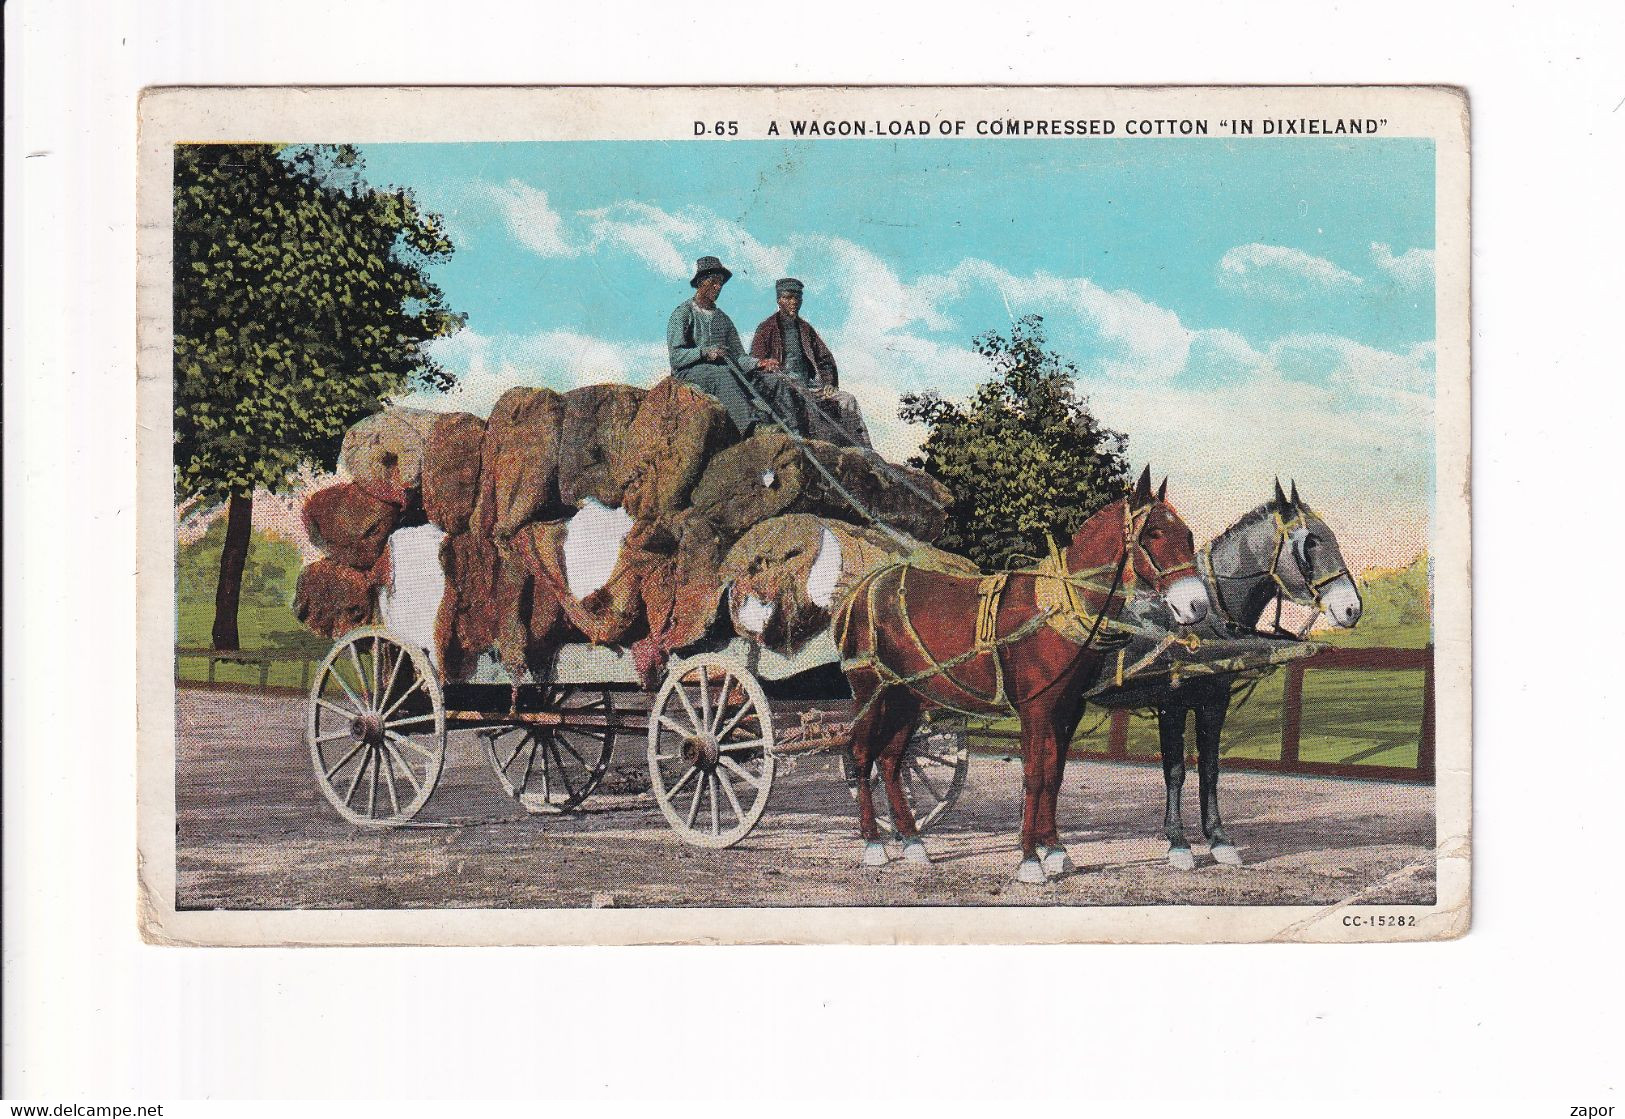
{"points": [[607, 514]]}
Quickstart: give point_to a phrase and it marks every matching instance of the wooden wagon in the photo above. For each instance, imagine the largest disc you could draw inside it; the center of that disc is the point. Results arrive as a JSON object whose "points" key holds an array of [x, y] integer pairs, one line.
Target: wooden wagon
{"points": [[713, 735]]}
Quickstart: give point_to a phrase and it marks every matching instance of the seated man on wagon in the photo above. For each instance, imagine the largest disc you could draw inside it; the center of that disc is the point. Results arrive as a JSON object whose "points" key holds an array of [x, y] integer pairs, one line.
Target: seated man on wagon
{"points": [[790, 340], [706, 352]]}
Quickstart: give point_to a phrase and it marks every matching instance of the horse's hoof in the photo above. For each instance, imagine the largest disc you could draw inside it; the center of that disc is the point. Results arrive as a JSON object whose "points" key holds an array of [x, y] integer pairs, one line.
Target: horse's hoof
{"points": [[1031, 871], [874, 854], [1180, 858], [914, 852], [1057, 862], [1225, 854]]}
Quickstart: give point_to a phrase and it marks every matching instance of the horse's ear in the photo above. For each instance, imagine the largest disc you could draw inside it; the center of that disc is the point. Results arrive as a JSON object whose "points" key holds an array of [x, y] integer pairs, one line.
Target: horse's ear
{"points": [[1142, 488], [1280, 496], [1162, 490], [1295, 502]]}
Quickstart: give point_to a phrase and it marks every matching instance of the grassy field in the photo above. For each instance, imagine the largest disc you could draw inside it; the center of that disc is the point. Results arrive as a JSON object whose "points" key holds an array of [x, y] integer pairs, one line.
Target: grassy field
{"points": [[1349, 716], [259, 627], [265, 620], [1353, 717]]}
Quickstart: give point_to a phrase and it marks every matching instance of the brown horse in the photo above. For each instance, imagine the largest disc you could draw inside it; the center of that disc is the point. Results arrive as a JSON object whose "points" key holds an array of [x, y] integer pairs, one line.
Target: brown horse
{"points": [[1024, 641]]}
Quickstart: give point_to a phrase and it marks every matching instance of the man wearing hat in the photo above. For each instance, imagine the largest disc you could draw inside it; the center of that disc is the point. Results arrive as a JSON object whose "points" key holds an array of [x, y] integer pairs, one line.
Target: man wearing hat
{"points": [[790, 340], [707, 354]]}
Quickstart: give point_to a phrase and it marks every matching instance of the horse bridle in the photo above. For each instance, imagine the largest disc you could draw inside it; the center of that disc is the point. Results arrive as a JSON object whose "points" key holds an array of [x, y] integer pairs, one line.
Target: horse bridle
{"points": [[1283, 536], [1123, 575], [1134, 522]]}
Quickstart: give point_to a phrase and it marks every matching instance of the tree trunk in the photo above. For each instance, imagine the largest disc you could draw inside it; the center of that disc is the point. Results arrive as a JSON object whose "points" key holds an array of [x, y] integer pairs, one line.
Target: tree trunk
{"points": [[239, 517]]}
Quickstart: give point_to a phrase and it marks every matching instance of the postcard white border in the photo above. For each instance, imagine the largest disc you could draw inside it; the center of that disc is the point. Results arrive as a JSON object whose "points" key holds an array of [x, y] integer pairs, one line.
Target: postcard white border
{"points": [[489, 114]]}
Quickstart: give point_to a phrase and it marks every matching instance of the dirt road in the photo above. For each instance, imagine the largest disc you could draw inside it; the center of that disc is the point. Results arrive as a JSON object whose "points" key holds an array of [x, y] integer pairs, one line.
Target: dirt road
{"points": [[254, 832]]}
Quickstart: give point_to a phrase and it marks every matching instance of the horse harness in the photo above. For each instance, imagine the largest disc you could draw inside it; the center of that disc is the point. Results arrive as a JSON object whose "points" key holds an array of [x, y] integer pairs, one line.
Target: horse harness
{"points": [[1283, 535], [1062, 607]]}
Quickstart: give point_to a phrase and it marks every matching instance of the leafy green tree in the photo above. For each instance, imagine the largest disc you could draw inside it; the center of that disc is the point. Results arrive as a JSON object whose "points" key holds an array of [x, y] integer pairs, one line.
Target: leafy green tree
{"points": [[269, 575], [1024, 457], [302, 301], [1396, 608]]}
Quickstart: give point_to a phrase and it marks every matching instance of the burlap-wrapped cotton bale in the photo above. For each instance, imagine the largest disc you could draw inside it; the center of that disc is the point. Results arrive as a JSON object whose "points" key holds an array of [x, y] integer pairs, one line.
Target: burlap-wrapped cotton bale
{"points": [[859, 476], [383, 454], [596, 581], [786, 574], [765, 476], [332, 598], [592, 436], [680, 597], [349, 524], [912, 501], [546, 626], [674, 434], [451, 470], [520, 465], [468, 621], [900, 496]]}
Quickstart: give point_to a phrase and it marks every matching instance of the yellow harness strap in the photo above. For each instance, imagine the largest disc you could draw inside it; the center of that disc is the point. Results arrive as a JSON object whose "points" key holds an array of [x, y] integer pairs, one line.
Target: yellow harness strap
{"points": [[1057, 594], [1057, 571], [988, 591]]}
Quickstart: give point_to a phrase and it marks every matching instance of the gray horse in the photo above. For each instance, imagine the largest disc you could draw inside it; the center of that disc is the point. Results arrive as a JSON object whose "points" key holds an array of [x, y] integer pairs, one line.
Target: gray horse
{"points": [[1280, 550]]}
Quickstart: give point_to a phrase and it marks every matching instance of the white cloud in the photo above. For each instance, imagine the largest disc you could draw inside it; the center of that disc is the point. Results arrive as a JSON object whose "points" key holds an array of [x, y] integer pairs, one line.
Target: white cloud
{"points": [[1135, 339], [647, 232], [531, 218], [1404, 379], [1366, 467], [1413, 268], [1352, 423], [1277, 272], [666, 242], [1121, 335]]}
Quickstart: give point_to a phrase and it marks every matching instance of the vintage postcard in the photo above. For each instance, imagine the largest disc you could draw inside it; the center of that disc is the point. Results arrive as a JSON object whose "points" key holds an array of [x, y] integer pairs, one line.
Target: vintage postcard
{"points": [[612, 515]]}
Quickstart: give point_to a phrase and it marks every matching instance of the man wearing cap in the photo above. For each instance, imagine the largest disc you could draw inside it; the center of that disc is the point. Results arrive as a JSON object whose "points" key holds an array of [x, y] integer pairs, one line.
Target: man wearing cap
{"points": [[706, 353], [790, 340]]}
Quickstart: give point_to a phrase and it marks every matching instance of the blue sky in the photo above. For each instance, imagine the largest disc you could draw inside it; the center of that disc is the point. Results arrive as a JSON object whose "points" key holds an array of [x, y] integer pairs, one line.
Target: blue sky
{"points": [[1237, 307]]}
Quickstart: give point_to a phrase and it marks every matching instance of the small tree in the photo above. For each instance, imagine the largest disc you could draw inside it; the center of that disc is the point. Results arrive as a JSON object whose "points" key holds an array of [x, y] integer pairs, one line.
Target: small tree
{"points": [[1024, 457], [302, 301], [1396, 606]]}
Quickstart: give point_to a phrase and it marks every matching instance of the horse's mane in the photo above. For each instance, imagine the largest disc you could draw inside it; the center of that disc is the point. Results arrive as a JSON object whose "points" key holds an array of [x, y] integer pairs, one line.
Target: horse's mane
{"points": [[1251, 518]]}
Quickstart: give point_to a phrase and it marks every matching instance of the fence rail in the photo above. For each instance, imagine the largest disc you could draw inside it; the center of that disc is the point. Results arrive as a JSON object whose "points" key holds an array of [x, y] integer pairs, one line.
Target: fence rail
{"points": [[264, 658], [1375, 660]]}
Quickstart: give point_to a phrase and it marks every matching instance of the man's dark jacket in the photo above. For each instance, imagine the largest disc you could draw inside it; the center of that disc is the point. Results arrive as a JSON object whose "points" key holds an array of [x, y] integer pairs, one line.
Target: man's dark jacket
{"points": [[769, 343]]}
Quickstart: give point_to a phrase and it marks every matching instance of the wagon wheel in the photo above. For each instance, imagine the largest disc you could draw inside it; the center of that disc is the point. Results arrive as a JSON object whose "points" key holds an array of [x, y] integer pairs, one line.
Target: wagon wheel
{"points": [[934, 769], [377, 728], [711, 750], [553, 769]]}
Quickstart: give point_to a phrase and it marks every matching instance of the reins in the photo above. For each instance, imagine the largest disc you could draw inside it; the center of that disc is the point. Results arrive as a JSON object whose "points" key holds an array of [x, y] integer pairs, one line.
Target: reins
{"points": [[1074, 612], [1283, 535], [806, 452]]}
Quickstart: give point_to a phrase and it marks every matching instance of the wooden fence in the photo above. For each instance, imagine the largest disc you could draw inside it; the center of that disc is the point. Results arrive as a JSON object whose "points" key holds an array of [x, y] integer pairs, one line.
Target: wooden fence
{"points": [[263, 658], [1380, 660]]}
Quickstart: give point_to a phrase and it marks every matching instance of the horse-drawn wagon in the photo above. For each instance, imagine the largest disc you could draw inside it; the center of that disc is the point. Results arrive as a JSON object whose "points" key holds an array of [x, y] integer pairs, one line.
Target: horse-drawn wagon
{"points": [[454, 628], [713, 736]]}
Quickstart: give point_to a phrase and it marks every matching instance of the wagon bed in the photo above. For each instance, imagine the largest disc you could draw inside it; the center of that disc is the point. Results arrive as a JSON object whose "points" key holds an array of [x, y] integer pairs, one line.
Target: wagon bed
{"points": [[381, 716]]}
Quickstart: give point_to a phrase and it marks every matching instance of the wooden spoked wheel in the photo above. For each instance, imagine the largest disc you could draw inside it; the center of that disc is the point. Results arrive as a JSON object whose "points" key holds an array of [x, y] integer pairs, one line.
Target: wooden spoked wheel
{"points": [[377, 728], [551, 769], [934, 770], [711, 750]]}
